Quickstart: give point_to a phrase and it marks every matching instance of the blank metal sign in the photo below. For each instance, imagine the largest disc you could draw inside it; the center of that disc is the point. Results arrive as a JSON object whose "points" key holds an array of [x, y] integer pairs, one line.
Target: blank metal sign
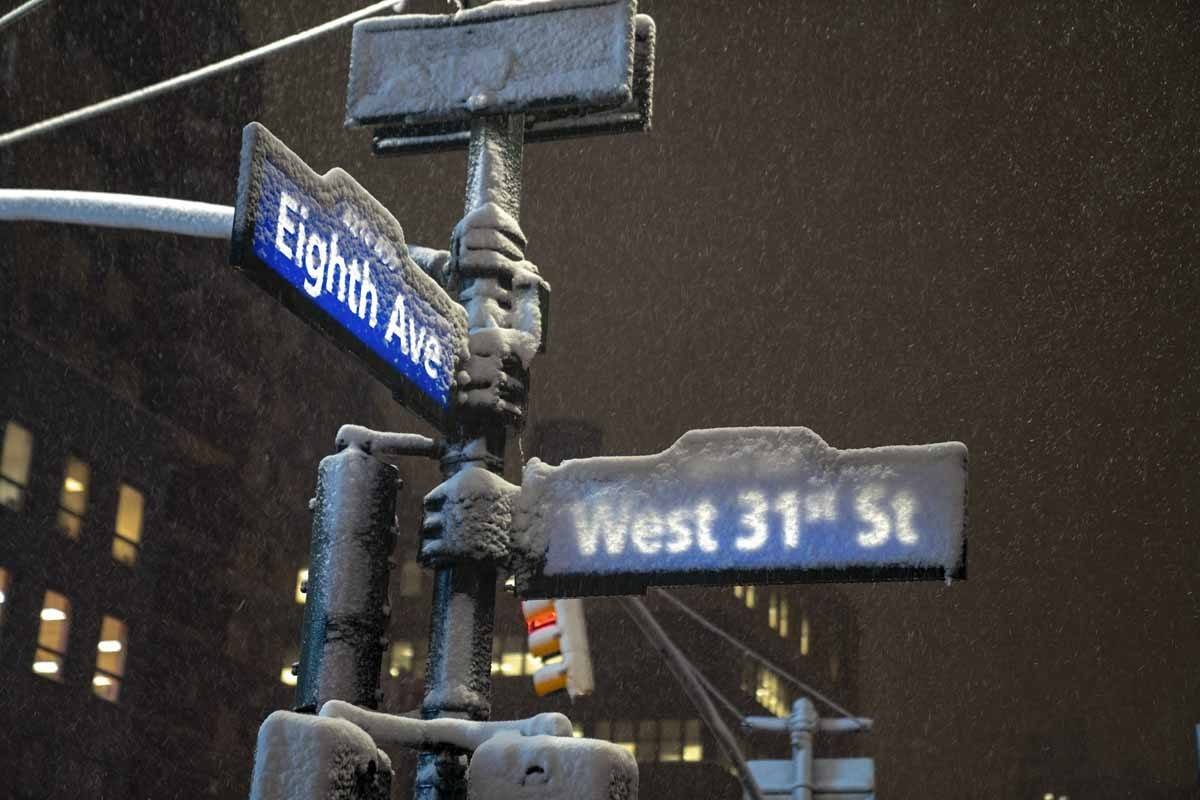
{"points": [[499, 58]]}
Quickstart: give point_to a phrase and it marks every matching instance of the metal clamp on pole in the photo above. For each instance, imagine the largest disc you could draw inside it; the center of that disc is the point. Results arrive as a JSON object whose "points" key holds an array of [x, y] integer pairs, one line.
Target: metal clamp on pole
{"points": [[346, 612], [805, 777]]}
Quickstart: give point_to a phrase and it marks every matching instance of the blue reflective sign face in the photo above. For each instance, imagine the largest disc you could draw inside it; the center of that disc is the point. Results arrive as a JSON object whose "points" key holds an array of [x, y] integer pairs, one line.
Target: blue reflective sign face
{"points": [[339, 260], [743, 505]]}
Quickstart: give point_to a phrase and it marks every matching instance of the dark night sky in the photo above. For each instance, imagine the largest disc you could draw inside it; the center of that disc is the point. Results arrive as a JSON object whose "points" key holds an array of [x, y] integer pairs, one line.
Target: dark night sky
{"points": [[891, 223]]}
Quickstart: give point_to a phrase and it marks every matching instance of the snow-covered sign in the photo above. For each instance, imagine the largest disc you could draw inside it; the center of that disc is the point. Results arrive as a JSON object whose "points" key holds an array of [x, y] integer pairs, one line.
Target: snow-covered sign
{"points": [[331, 253], [741, 505], [508, 56]]}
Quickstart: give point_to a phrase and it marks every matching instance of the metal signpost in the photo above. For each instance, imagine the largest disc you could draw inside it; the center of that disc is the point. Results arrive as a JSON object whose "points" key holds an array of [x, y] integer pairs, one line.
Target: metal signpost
{"points": [[433, 78], [719, 507]]}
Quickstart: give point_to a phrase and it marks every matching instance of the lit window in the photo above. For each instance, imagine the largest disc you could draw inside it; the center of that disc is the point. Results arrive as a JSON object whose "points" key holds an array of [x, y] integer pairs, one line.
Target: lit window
{"points": [[401, 659], [287, 675], [693, 750], [751, 599], [804, 635], [739, 591], [302, 586], [110, 659], [773, 612], [3, 593], [130, 508], [670, 742], [72, 501], [623, 736], [14, 466], [577, 730], [771, 695], [410, 579], [783, 617], [647, 740], [52, 636]]}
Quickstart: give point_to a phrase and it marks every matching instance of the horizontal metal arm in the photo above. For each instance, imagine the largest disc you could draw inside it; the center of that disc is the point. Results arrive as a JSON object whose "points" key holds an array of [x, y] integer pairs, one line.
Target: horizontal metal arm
{"points": [[831, 725], [426, 734], [387, 446], [135, 212]]}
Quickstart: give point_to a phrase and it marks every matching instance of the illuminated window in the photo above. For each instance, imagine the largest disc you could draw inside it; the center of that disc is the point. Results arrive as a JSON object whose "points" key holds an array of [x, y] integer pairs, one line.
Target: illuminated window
{"points": [[577, 730], [623, 736], [15, 456], [804, 631], [670, 741], [130, 508], [647, 740], [771, 694], [784, 613], [401, 659], [3, 593], [287, 675], [302, 586], [72, 501], [693, 750], [511, 659], [773, 612], [52, 636], [410, 579], [739, 592], [751, 599], [110, 659]]}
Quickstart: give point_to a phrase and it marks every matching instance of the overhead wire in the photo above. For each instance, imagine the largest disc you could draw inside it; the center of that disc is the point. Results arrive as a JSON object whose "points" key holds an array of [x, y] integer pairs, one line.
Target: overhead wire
{"points": [[18, 12], [699, 618], [188, 78], [715, 692]]}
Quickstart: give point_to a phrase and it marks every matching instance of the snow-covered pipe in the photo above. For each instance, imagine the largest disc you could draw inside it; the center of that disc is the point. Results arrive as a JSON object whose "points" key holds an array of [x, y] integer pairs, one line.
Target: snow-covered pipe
{"points": [[104, 209], [393, 730]]}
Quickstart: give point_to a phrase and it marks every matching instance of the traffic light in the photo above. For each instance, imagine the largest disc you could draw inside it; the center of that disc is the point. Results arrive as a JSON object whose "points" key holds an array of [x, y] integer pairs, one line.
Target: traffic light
{"points": [[558, 635]]}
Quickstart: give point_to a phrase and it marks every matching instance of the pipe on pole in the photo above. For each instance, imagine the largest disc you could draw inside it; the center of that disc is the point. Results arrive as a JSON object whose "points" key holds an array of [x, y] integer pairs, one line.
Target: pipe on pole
{"points": [[109, 210]]}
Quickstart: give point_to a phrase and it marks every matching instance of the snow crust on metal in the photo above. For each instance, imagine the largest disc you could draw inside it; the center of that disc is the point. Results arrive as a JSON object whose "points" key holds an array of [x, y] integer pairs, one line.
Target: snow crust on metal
{"points": [[509, 766], [507, 56], [306, 757], [110, 210], [737, 505]]}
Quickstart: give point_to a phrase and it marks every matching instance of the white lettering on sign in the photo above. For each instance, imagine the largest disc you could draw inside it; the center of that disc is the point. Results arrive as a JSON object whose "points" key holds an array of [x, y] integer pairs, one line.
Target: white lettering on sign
{"points": [[604, 528], [728, 504], [351, 282]]}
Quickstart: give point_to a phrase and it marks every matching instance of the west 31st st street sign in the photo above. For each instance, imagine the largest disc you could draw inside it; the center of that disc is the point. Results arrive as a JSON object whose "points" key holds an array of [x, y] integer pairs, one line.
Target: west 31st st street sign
{"points": [[741, 505]]}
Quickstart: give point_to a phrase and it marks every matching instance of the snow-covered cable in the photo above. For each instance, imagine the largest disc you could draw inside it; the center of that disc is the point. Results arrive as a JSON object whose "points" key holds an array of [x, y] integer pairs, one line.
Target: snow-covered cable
{"points": [[18, 12], [716, 693], [755, 655], [161, 214], [685, 672], [188, 78]]}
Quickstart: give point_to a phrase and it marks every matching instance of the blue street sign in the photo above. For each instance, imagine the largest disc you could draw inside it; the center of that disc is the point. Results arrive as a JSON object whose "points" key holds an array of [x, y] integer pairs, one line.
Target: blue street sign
{"points": [[741, 505], [331, 253]]}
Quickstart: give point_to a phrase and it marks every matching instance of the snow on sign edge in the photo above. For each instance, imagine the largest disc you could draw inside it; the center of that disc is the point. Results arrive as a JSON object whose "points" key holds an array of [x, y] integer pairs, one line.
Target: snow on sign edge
{"points": [[538, 48], [731, 454]]}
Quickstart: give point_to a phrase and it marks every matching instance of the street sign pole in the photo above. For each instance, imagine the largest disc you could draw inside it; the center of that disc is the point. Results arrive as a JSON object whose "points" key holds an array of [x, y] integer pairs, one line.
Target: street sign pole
{"points": [[458, 673]]}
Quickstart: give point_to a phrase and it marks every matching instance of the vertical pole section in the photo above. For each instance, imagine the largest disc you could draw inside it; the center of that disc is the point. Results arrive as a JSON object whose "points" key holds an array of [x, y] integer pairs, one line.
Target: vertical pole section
{"points": [[458, 680], [346, 610], [801, 726], [679, 664]]}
